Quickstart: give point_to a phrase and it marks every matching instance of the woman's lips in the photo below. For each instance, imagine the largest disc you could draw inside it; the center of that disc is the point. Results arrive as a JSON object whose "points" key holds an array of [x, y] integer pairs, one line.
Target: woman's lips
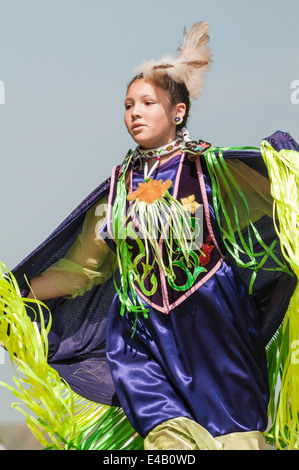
{"points": [[137, 127]]}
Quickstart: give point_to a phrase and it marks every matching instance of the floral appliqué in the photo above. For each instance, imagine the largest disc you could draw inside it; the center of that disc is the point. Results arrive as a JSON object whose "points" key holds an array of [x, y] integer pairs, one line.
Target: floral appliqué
{"points": [[196, 147], [190, 203], [150, 191], [206, 248]]}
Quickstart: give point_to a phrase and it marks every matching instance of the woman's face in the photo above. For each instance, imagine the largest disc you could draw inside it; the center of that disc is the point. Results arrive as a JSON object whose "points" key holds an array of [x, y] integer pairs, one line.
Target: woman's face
{"points": [[148, 114]]}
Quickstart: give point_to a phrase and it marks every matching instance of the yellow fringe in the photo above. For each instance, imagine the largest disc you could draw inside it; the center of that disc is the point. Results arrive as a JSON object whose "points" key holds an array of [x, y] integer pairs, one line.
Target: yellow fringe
{"points": [[283, 169], [62, 414]]}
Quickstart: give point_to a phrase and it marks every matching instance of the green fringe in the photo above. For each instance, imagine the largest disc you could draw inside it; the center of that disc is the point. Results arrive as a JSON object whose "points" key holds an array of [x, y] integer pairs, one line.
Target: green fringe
{"points": [[283, 352], [239, 250], [58, 418], [179, 231], [283, 169]]}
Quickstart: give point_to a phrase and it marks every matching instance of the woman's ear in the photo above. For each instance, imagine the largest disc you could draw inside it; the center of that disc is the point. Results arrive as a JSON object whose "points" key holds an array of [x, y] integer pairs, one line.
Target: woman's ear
{"points": [[180, 109]]}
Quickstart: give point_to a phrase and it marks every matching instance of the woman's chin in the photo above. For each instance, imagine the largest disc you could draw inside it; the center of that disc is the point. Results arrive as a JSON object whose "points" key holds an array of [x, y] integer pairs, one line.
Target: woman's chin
{"points": [[149, 144]]}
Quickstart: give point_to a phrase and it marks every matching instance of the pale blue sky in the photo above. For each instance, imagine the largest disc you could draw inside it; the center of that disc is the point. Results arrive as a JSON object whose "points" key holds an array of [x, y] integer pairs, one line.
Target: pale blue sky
{"points": [[65, 65]]}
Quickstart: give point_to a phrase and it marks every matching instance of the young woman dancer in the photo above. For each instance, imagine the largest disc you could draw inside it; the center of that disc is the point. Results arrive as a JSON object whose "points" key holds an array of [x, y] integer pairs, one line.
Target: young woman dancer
{"points": [[183, 337]]}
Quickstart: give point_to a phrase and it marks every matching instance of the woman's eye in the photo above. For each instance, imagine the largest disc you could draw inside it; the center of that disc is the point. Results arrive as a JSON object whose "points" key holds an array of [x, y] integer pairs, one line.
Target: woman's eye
{"points": [[128, 106], [148, 103]]}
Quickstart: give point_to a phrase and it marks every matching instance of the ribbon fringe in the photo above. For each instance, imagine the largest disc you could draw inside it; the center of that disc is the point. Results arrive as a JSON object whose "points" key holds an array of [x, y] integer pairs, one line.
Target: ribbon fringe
{"points": [[58, 418], [283, 366], [283, 355]]}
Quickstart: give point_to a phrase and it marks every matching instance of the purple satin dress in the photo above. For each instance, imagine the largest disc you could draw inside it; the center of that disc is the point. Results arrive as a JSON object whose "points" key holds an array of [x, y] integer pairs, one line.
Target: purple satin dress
{"points": [[205, 360]]}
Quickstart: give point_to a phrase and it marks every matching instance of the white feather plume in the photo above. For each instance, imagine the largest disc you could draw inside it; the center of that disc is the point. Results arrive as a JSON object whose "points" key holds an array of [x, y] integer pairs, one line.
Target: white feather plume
{"points": [[188, 66]]}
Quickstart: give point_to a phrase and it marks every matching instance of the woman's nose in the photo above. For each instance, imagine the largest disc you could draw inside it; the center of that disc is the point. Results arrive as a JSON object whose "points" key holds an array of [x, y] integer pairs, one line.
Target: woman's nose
{"points": [[136, 112]]}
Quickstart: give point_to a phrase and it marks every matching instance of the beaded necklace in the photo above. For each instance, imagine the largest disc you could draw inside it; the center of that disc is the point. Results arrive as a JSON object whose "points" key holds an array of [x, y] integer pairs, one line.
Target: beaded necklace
{"points": [[157, 153], [160, 152]]}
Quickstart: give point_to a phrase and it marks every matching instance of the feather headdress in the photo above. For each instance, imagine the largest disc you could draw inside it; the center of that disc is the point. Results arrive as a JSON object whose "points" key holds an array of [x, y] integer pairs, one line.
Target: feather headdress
{"points": [[188, 66]]}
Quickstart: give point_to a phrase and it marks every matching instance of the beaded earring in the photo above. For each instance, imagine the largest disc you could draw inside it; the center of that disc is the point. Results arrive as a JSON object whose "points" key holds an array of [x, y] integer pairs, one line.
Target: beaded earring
{"points": [[177, 120]]}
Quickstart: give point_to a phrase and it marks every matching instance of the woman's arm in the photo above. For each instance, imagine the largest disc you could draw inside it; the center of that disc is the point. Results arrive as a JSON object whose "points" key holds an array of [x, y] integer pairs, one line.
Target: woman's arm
{"points": [[88, 262], [42, 289]]}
